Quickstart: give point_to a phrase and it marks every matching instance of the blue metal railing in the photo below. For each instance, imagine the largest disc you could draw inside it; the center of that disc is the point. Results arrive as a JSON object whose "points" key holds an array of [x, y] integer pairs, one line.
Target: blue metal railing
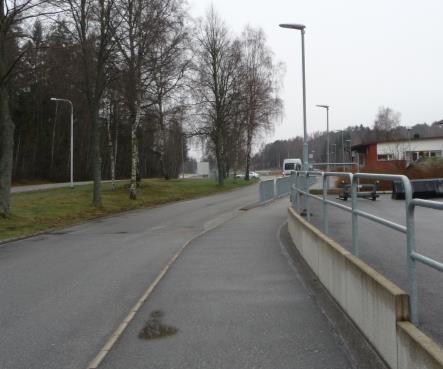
{"points": [[299, 188]]}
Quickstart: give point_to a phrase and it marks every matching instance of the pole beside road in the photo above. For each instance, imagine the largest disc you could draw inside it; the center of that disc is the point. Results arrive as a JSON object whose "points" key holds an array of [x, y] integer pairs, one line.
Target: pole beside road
{"points": [[72, 136], [301, 28]]}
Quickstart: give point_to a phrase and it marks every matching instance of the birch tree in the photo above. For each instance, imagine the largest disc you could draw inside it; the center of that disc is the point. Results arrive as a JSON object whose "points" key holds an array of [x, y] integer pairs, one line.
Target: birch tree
{"points": [[213, 87], [169, 61], [94, 30], [260, 87], [142, 24]]}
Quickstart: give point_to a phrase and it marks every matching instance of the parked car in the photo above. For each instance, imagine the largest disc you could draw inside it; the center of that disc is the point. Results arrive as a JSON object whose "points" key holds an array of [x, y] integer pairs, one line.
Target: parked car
{"points": [[253, 175]]}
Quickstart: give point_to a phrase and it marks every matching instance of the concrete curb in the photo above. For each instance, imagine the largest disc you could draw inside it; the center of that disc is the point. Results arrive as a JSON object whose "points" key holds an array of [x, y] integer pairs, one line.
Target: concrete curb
{"points": [[416, 350], [378, 307]]}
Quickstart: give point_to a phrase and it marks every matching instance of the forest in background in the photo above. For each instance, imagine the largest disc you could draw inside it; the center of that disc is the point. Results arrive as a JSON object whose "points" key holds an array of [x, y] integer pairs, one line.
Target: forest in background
{"points": [[387, 126], [144, 79]]}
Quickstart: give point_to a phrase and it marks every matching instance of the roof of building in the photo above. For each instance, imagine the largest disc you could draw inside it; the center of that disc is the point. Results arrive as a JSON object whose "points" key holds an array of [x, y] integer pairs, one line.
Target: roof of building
{"points": [[364, 145]]}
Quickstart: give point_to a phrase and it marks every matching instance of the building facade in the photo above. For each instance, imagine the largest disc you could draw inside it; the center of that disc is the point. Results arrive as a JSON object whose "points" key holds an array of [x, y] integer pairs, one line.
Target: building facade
{"points": [[397, 152]]}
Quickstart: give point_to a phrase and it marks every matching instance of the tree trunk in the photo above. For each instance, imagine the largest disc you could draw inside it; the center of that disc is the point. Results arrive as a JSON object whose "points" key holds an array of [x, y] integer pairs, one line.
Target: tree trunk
{"points": [[17, 153], [6, 152], [220, 164], [96, 161], [248, 152], [111, 151], [134, 157]]}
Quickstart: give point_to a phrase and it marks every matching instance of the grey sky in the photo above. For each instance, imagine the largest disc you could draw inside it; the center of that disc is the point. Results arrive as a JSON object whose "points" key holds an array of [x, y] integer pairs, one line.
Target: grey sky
{"points": [[359, 55]]}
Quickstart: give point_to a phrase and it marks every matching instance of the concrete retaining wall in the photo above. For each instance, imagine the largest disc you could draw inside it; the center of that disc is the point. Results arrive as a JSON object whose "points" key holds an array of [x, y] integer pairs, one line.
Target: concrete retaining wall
{"points": [[416, 350], [376, 305]]}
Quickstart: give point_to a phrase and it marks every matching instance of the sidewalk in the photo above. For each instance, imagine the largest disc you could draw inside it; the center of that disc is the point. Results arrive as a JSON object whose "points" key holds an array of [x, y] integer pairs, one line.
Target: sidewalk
{"points": [[50, 186], [232, 300]]}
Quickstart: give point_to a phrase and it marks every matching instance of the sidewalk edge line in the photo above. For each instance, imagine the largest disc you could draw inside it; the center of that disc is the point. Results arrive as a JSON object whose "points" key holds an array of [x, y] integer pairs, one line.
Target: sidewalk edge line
{"points": [[117, 333]]}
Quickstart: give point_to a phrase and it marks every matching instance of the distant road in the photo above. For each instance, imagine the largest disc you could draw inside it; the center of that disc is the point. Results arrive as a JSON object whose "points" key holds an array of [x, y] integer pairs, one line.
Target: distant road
{"points": [[50, 186]]}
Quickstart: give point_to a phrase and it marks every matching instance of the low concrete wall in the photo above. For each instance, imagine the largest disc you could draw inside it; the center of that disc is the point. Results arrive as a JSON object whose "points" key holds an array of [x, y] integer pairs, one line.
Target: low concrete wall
{"points": [[377, 306], [416, 350], [373, 303]]}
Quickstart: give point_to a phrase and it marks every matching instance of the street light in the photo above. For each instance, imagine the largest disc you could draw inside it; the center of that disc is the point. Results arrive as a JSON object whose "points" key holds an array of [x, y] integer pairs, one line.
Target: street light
{"points": [[327, 133], [301, 27], [72, 135]]}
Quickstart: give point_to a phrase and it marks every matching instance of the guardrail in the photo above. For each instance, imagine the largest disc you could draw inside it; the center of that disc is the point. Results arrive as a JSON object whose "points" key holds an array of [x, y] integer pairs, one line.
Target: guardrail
{"points": [[298, 190], [283, 185], [266, 190]]}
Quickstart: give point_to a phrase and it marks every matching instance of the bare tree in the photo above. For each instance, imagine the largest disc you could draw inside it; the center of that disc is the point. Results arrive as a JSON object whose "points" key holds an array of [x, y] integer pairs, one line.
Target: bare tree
{"points": [[213, 87], [93, 29], [142, 23], [260, 87], [169, 60], [386, 121]]}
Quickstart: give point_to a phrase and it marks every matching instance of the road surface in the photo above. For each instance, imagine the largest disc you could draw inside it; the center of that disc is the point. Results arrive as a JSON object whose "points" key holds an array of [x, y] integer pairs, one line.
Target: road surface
{"points": [[385, 250], [235, 302], [231, 292], [63, 293]]}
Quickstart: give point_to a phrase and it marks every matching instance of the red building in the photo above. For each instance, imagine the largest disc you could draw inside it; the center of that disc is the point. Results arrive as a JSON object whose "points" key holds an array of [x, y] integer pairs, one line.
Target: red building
{"points": [[397, 153]]}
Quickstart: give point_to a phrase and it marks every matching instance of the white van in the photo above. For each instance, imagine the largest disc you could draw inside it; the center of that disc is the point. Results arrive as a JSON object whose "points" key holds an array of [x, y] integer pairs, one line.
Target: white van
{"points": [[290, 166]]}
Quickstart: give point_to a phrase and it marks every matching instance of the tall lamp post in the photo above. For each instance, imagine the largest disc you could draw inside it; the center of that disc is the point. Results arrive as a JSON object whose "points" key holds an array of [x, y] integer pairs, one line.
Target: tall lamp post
{"points": [[301, 27], [72, 135], [327, 134]]}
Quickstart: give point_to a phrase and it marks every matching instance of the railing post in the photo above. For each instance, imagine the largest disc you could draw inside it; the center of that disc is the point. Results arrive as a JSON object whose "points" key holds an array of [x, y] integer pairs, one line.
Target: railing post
{"points": [[297, 180], [354, 190], [410, 244], [325, 208], [307, 202]]}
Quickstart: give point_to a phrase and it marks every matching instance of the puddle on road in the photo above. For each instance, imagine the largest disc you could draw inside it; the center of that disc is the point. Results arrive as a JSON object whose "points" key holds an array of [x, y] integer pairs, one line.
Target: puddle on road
{"points": [[154, 328]]}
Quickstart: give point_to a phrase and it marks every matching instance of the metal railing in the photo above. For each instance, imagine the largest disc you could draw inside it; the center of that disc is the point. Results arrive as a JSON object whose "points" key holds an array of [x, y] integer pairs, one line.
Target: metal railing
{"points": [[298, 189]]}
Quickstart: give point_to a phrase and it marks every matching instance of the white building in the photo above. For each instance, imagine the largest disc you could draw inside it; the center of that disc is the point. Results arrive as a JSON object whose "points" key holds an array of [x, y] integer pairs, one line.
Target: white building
{"points": [[410, 150]]}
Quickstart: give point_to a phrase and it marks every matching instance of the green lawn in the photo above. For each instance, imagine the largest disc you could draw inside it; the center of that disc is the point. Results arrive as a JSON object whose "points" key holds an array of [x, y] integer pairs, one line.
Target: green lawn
{"points": [[41, 210]]}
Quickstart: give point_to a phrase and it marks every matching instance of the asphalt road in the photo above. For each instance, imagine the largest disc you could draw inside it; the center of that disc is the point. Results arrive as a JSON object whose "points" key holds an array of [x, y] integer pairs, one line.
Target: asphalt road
{"points": [[233, 300], [233, 296], [63, 293], [385, 250]]}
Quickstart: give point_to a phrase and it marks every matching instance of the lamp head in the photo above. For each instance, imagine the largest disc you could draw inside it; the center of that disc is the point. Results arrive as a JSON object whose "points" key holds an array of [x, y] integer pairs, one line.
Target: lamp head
{"points": [[300, 27], [323, 106]]}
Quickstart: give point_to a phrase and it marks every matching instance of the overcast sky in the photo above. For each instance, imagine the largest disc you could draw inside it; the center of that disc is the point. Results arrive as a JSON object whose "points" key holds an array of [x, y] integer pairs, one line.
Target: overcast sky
{"points": [[359, 55]]}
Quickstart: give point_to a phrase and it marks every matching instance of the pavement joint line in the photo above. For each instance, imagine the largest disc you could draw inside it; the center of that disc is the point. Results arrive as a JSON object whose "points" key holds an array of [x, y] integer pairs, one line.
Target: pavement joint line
{"points": [[117, 333]]}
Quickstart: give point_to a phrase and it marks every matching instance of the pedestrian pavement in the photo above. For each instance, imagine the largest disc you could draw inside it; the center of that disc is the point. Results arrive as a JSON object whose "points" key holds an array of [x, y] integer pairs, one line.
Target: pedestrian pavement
{"points": [[51, 186], [232, 300]]}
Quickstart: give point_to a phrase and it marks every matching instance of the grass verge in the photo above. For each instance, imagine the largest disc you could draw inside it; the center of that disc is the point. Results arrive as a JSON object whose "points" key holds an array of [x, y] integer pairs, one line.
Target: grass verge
{"points": [[50, 209]]}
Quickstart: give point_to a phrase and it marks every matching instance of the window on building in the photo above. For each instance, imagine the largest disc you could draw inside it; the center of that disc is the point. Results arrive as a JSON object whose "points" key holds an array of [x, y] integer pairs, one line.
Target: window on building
{"points": [[424, 154], [385, 157]]}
